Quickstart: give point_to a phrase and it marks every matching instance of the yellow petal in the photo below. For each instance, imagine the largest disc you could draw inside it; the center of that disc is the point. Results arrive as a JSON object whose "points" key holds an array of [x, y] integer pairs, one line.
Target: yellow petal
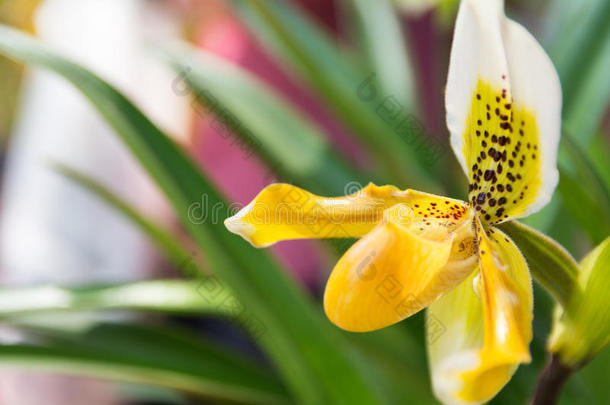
{"points": [[283, 211], [503, 105], [480, 332], [412, 257]]}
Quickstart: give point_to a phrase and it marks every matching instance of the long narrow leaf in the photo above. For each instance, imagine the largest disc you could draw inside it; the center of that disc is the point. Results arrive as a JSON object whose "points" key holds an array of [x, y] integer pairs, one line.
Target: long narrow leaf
{"points": [[580, 49], [265, 122], [167, 296], [148, 355], [387, 50], [163, 239], [311, 355], [551, 265], [380, 120], [584, 192], [578, 41]]}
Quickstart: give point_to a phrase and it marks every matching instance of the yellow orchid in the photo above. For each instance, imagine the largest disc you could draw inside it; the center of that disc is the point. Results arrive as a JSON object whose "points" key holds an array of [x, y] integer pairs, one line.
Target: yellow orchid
{"points": [[417, 250]]}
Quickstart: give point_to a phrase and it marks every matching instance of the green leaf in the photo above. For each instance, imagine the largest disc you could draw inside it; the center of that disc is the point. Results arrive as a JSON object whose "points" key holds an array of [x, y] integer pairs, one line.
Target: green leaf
{"points": [[311, 355], [397, 358], [582, 329], [584, 207], [167, 296], [162, 238], [395, 354], [386, 47], [152, 356], [583, 191], [399, 142], [578, 42], [580, 49], [264, 121], [599, 157], [590, 384], [550, 264]]}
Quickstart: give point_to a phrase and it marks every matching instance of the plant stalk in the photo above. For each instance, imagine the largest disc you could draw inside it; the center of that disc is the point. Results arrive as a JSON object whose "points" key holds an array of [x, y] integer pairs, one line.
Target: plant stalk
{"points": [[551, 382]]}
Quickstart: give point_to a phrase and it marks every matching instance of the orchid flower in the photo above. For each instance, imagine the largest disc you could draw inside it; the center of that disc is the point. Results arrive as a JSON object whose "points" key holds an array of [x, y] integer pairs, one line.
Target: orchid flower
{"points": [[418, 250]]}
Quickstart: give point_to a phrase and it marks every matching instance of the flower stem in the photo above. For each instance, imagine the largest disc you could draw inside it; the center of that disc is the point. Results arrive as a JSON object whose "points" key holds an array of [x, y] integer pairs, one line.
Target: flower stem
{"points": [[551, 382]]}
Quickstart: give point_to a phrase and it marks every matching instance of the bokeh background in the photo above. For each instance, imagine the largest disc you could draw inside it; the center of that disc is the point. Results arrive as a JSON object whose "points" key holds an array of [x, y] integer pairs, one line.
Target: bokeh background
{"points": [[53, 232]]}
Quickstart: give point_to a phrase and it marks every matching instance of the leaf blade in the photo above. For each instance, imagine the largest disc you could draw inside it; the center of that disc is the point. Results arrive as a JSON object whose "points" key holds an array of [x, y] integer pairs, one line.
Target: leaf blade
{"points": [[392, 133], [124, 353], [162, 238], [263, 120], [550, 264], [300, 342]]}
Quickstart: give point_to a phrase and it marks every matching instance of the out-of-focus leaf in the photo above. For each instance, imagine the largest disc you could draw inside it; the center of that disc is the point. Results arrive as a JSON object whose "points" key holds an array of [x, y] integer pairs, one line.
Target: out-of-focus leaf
{"points": [[151, 356], [582, 329], [580, 48], [311, 355], [163, 239], [168, 296], [578, 41], [147, 394], [400, 143], [599, 157], [266, 123], [387, 51], [589, 385], [398, 359], [584, 193], [544, 219], [550, 264]]}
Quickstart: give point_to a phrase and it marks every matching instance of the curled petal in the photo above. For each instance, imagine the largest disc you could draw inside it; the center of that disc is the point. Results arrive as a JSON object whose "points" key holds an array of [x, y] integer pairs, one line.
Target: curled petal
{"points": [[412, 257], [283, 211], [479, 333]]}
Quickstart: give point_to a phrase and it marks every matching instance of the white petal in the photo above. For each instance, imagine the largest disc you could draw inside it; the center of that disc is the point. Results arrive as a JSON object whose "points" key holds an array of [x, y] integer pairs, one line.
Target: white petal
{"points": [[535, 86], [503, 102], [477, 52]]}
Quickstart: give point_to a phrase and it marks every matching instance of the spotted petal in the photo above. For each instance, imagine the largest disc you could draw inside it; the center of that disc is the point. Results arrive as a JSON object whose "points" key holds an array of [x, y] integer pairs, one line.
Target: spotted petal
{"points": [[503, 104], [479, 333], [412, 257], [283, 211]]}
